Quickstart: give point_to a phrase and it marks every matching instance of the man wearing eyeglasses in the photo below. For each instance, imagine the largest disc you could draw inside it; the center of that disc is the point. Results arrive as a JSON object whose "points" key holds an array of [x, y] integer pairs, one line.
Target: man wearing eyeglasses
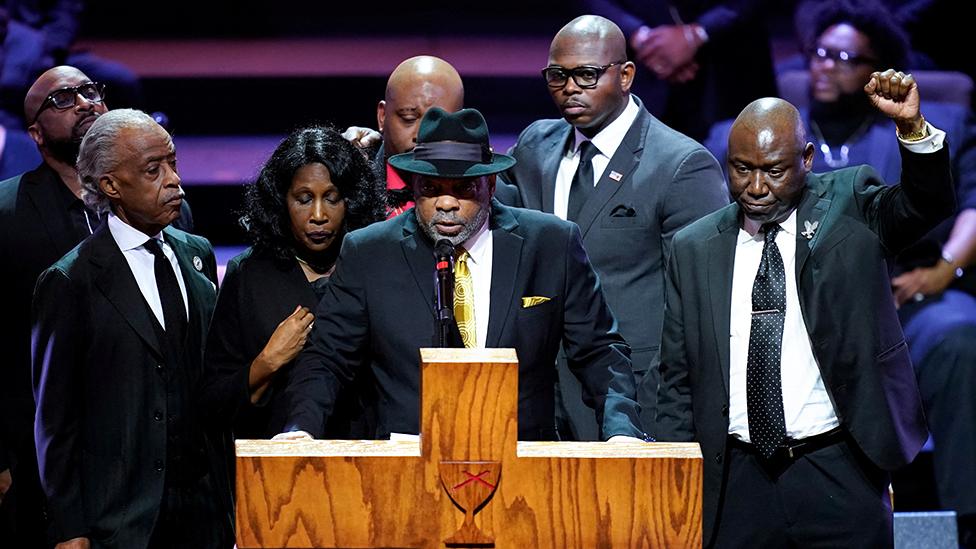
{"points": [[41, 218], [629, 182]]}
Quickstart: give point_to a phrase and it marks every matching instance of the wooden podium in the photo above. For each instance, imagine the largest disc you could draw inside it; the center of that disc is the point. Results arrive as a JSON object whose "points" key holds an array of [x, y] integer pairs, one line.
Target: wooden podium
{"points": [[468, 482]]}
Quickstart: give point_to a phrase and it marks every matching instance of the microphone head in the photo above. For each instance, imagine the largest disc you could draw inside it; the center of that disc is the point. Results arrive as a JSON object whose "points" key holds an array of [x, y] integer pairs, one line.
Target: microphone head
{"points": [[444, 248]]}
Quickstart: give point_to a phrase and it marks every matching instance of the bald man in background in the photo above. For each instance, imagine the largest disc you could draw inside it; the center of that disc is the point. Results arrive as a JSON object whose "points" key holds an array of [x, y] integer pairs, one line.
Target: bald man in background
{"points": [[643, 182], [414, 86]]}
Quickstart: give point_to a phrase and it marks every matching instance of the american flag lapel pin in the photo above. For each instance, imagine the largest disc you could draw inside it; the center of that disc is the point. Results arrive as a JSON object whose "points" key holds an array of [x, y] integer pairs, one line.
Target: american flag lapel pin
{"points": [[616, 176]]}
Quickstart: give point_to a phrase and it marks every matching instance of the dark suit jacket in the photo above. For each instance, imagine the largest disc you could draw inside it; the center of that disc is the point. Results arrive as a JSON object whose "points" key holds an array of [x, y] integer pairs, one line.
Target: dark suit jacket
{"points": [[257, 293], [34, 232], [378, 312], [844, 291], [98, 377], [668, 181]]}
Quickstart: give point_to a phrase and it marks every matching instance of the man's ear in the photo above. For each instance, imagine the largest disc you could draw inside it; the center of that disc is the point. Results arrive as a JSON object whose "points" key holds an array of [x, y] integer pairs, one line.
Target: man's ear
{"points": [[380, 115], [808, 157], [109, 186], [491, 184], [35, 134], [627, 71]]}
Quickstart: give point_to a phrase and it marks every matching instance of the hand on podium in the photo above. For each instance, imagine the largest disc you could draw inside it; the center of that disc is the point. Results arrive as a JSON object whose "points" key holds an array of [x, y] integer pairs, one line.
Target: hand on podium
{"points": [[293, 435], [623, 438]]}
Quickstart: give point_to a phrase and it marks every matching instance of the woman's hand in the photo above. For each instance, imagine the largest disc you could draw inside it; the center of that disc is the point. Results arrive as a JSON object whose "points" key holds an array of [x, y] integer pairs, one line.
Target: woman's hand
{"points": [[286, 342]]}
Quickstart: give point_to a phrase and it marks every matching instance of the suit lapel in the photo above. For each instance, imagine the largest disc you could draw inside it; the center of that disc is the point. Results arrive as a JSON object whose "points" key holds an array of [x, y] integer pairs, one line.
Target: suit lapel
{"points": [[811, 216], [506, 253], [551, 153], [114, 279], [197, 284], [623, 163], [419, 255], [721, 261]]}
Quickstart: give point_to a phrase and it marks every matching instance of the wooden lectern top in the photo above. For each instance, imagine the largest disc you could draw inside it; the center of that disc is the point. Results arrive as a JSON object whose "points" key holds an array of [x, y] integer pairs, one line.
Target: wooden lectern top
{"points": [[468, 482]]}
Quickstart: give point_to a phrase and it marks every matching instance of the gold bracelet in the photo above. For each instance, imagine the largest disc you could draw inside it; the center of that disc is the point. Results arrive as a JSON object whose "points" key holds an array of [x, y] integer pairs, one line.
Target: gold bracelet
{"points": [[917, 135]]}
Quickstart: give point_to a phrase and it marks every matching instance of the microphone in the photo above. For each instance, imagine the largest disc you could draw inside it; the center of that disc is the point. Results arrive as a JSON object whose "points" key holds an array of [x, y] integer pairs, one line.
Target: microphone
{"points": [[444, 289]]}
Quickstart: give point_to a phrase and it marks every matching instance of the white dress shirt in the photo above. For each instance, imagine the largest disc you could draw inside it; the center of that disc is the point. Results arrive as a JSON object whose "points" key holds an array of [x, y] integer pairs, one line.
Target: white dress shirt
{"points": [[479, 247], [131, 241], [606, 142], [806, 405]]}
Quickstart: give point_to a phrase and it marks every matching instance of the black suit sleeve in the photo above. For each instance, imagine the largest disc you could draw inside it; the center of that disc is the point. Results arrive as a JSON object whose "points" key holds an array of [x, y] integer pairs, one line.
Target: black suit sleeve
{"points": [[58, 325], [225, 389], [336, 348], [596, 352], [901, 214], [674, 414]]}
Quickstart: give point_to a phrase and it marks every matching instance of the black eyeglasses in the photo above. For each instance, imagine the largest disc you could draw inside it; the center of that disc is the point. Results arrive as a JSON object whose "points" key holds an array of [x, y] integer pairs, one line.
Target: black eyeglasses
{"points": [[65, 98], [841, 57], [585, 76]]}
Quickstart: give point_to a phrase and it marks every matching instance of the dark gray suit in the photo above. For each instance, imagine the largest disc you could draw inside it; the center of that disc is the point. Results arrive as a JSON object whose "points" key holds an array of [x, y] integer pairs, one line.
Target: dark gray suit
{"points": [[845, 295], [667, 180]]}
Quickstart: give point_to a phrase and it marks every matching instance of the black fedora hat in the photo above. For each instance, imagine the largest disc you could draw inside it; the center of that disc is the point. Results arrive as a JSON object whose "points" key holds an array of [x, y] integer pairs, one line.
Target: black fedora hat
{"points": [[452, 145]]}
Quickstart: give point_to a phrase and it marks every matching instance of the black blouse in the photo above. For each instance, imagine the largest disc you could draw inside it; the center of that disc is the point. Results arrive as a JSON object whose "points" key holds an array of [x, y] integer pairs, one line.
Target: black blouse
{"points": [[257, 293]]}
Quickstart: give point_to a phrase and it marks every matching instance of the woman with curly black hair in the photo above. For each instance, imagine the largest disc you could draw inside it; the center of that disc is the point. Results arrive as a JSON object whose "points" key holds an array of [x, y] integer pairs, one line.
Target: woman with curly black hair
{"points": [[313, 190]]}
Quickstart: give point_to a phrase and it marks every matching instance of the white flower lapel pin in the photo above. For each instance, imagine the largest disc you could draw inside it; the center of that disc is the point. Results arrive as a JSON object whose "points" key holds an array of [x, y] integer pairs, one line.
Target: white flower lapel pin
{"points": [[809, 229]]}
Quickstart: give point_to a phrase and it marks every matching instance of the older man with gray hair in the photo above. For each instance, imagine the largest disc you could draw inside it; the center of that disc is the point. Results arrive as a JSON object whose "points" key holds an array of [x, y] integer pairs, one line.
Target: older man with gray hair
{"points": [[118, 327]]}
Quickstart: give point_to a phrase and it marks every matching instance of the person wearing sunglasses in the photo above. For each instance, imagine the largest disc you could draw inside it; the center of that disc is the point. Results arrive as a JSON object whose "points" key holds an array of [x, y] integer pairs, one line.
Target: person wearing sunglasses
{"points": [[628, 180]]}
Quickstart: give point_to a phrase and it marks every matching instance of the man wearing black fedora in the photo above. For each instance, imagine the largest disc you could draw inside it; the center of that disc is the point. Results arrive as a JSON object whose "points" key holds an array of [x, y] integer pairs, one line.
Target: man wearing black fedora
{"points": [[523, 280]]}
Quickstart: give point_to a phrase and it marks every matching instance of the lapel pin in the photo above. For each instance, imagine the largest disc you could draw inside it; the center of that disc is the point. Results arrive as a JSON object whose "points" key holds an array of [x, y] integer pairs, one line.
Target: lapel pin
{"points": [[810, 229], [197, 263], [616, 176]]}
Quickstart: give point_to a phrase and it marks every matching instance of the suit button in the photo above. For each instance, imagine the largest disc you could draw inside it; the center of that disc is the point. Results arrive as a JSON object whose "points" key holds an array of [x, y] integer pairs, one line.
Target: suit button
{"points": [[159, 465], [158, 416], [718, 457], [725, 410], [159, 367]]}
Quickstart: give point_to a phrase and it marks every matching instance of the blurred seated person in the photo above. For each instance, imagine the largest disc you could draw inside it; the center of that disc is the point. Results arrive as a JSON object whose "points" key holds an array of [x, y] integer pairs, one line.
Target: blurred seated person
{"points": [[314, 189], [933, 281], [18, 153]]}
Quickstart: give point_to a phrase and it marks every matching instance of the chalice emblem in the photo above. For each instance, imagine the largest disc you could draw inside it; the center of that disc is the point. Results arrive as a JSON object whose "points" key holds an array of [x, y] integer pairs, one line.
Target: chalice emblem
{"points": [[470, 485]]}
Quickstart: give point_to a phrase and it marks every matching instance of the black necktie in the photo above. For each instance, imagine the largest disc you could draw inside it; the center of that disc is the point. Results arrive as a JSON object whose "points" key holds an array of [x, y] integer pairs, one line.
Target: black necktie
{"points": [[174, 310], [764, 391], [582, 186]]}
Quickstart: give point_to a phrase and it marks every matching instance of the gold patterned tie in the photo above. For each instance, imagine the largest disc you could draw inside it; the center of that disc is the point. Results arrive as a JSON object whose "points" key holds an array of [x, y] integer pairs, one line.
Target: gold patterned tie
{"points": [[464, 299]]}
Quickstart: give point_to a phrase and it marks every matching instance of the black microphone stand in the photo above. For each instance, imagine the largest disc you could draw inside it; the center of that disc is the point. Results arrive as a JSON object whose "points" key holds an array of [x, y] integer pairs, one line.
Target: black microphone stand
{"points": [[444, 291]]}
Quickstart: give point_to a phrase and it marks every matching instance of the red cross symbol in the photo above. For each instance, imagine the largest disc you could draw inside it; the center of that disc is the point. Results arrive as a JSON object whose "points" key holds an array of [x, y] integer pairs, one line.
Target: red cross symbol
{"points": [[474, 478]]}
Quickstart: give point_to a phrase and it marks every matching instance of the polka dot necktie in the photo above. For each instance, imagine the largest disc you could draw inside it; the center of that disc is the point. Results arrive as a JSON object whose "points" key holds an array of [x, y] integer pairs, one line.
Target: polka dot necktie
{"points": [[464, 299], [581, 187], [764, 391]]}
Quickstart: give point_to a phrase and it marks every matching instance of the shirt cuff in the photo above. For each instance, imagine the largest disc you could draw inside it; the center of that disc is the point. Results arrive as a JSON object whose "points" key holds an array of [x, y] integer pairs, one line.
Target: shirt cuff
{"points": [[931, 143]]}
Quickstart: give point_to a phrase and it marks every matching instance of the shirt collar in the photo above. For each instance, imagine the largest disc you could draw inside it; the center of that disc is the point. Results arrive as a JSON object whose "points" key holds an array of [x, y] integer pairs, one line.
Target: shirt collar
{"points": [[477, 244], [788, 226], [610, 138], [127, 236]]}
